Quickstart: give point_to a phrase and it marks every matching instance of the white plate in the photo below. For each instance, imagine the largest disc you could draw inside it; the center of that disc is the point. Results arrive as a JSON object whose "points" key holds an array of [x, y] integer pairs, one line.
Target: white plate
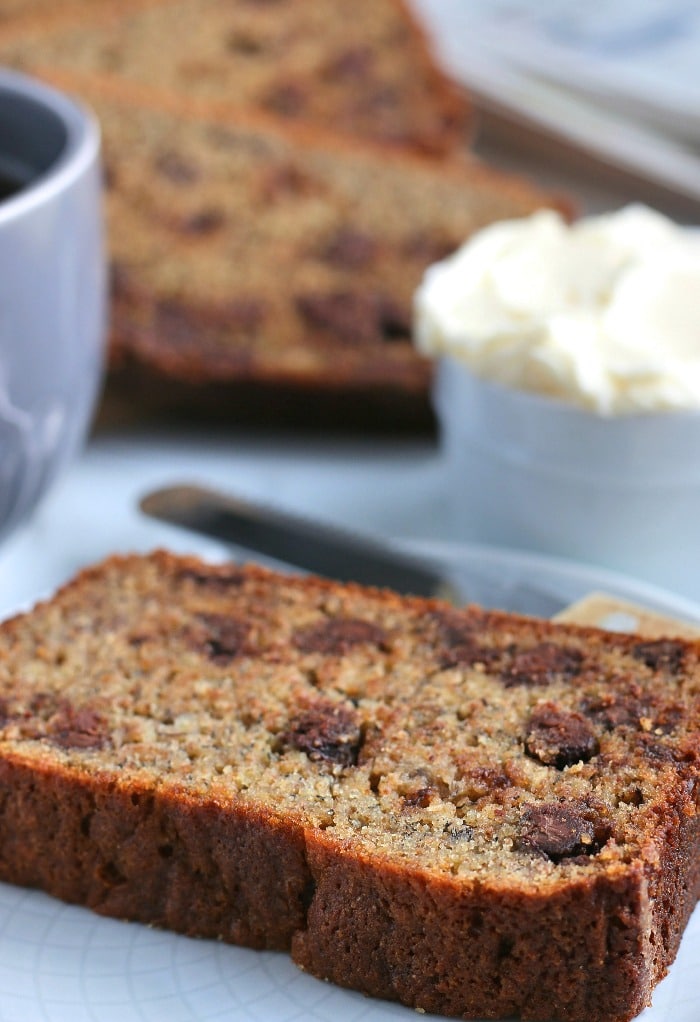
{"points": [[64, 964]]}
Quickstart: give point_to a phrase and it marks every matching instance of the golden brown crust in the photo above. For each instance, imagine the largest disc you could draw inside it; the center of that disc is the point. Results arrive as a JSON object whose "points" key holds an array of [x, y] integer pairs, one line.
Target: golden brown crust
{"points": [[474, 813]]}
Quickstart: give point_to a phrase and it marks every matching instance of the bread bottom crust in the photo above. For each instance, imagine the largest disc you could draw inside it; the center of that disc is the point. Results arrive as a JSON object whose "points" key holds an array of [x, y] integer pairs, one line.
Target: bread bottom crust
{"points": [[590, 951]]}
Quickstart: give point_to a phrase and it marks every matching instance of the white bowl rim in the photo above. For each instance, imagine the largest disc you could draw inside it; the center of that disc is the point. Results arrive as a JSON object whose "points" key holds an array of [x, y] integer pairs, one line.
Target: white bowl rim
{"points": [[555, 406]]}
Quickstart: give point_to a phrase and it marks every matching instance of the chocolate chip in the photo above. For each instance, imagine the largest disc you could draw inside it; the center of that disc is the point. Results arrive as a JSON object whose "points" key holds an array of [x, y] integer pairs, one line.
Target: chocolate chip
{"points": [[560, 830], [541, 665], [466, 653], [286, 181], [177, 169], [354, 317], [349, 317], [326, 732], [661, 655], [394, 320], [613, 711], [419, 799], [487, 783], [288, 99], [81, 728], [459, 644], [668, 717], [338, 636], [633, 708], [241, 42], [349, 249], [43, 703], [353, 64], [656, 751], [559, 738], [225, 637], [186, 327], [205, 222]]}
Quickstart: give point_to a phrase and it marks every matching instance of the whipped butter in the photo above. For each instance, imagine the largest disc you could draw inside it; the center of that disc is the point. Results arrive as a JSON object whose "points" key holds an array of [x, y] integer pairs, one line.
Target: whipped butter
{"points": [[604, 314]]}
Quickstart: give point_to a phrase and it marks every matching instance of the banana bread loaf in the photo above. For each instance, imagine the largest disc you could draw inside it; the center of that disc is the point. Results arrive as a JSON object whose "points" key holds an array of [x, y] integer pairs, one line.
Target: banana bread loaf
{"points": [[262, 274], [474, 813], [254, 257]]}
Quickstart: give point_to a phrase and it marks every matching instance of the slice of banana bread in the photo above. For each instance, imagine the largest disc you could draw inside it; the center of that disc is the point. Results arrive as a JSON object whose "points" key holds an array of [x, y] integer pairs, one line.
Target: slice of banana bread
{"points": [[253, 256], [474, 813], [367, 74]]}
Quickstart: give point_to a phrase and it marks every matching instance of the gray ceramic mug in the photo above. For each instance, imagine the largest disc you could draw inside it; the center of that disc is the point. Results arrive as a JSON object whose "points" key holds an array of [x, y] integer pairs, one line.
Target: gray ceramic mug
{"points": [[52, 287]]}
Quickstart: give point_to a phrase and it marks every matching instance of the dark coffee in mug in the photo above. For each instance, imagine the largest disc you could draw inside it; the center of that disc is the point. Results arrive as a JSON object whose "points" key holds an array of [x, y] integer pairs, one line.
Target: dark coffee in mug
{"points": [[12, 178]]}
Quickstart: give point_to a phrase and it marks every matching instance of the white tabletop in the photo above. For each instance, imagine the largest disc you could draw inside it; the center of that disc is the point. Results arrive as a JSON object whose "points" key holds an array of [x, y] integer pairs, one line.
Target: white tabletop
{"points": [[394, 489]]}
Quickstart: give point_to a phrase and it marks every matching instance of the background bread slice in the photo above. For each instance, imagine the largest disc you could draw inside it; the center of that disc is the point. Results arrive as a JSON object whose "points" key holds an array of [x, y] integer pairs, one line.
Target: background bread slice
{"points": [[249, 252], [244, 285], [369, 75]]}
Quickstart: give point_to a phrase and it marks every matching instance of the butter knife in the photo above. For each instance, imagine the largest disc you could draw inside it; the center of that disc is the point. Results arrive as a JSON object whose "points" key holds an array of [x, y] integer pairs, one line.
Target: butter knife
{"points": [[293, 540]]}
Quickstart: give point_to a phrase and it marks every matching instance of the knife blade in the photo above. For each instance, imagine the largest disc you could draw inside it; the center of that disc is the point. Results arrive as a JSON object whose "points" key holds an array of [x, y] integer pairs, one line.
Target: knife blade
{"points": [[293, 540]]}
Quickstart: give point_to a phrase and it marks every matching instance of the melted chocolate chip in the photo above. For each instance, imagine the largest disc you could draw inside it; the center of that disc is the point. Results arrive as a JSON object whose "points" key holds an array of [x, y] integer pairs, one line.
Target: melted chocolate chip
{"points": [[419, 799], [203, 223], [350, 65], [78, 729], [467, 653], [614, 711], [288, 99], [224, 639], [348, 317], [286, 181], [661, 655], [187, 327], [559, 738], [484, 782], [353, 317], [668, 717], [43, 703], [560, 830], [241, 42], [655, 750], [177, 169], [394, 320], [338, 636], [327, 733], [633, 708], [459, 644], [541, 665], [349, 249]]}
